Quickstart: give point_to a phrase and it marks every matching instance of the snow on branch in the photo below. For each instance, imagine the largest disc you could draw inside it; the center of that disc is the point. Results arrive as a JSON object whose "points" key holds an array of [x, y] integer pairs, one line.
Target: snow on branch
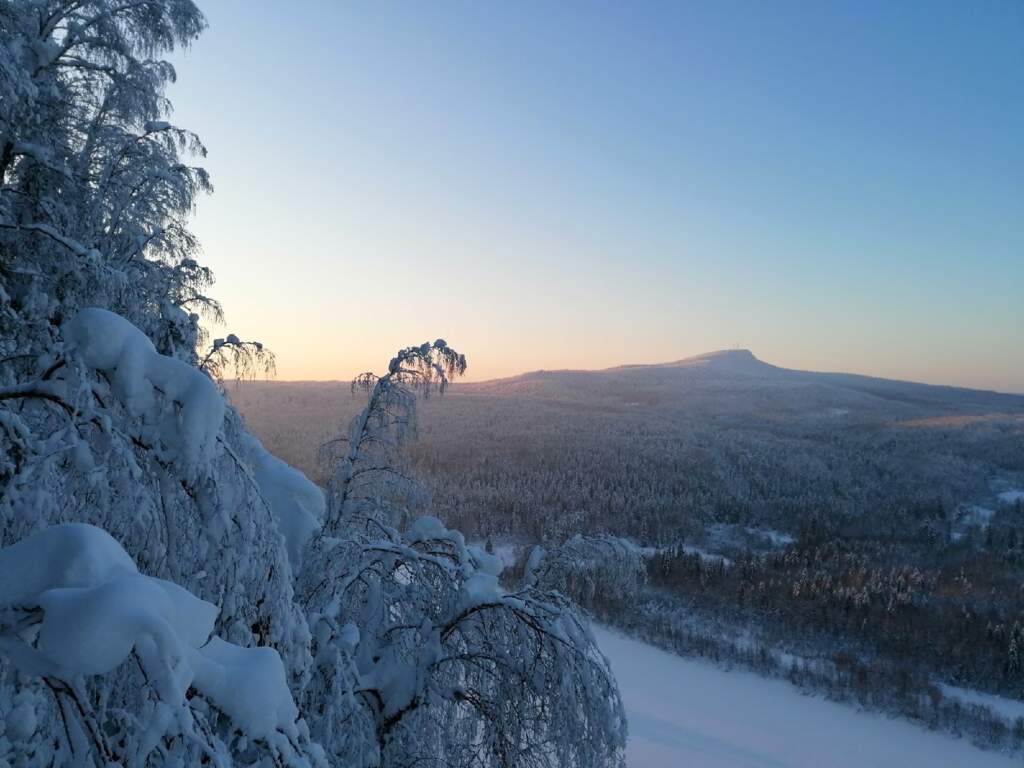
{"points": [[45, 229], [73, 605], [177, 403], [298, 504], [244, 358]]}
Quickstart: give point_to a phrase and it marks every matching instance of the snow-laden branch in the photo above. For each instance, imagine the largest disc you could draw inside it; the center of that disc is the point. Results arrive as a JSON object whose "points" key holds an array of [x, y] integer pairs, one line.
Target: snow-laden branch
{"points": [[45, 229], [73, 604], [183, 406]]}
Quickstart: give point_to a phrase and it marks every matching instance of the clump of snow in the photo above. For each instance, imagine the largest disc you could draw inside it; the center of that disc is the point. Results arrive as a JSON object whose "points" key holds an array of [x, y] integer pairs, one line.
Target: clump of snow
{"points": [[92, 630], [486, 562], [1011, 497], [297, 503], [70, 555], [21, 721], [181, 409], [479, 589], [533, 561], [248, 684], [429, 528], [96, 609], [506, 551]]}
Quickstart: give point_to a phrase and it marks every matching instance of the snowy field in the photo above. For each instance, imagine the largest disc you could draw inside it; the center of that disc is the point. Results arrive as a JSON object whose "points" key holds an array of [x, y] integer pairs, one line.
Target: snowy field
{"points": [[684, 712]]}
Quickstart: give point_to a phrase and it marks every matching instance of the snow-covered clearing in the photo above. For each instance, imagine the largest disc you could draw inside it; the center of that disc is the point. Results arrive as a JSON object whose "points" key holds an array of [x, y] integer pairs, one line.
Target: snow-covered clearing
{"points": [[685, 712], [975, 515], [1009, 709], [711, 558], [776, 538]]}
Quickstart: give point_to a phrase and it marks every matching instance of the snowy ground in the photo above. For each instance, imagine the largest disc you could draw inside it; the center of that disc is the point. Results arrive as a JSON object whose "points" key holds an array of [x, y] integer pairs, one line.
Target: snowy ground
{"points": [[684, 712]]}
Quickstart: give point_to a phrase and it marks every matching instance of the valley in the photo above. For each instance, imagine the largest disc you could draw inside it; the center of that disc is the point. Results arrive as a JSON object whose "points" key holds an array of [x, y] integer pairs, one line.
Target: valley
{"points": [[842, 520]]}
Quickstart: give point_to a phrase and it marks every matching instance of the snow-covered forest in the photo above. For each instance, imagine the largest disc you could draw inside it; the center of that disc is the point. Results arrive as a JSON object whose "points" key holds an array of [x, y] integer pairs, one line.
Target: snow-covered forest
{"points": [[861, 539], [171, 594]]}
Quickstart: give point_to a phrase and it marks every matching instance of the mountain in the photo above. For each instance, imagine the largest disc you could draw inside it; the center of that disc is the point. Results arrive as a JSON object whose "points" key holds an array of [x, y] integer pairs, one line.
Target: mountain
{"points": [[737, 377], [741, 362]]}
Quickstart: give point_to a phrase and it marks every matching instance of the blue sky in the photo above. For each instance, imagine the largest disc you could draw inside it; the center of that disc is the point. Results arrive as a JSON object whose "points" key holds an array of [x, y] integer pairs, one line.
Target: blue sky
{"points": [[836, 186]]}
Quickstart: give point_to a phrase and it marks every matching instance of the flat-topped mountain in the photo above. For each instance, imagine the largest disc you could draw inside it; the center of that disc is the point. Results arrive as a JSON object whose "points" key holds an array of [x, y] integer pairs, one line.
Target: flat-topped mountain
{"points": [[728, 375], [739, 361]]}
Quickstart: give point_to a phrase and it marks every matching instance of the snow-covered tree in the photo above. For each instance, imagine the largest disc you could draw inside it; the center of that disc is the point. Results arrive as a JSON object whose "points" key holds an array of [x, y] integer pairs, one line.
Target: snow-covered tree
{"points": [[142, 445], [414, 637], [96, 186], [104, 418], [244, 359], [369, 463], [445, 665], [600, 572]]}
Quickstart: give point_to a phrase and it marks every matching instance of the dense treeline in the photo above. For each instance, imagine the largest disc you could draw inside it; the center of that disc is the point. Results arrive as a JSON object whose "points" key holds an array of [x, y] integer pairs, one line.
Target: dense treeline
{"points": [[958, 614], [511, 465]]}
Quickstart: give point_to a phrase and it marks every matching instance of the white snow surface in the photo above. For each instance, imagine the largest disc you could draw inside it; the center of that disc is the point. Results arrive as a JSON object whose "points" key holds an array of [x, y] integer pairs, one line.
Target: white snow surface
{"points": [[91, 630], [686, 712], [1011, 497]]}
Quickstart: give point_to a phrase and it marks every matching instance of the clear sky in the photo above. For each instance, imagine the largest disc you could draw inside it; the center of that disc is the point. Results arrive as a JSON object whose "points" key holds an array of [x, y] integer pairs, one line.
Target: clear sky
{"points": [[836, 186]]}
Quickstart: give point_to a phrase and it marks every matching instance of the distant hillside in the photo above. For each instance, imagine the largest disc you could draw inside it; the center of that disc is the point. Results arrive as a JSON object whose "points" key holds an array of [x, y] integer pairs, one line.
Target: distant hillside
{"points": [[726, 375], [721, 434]]}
